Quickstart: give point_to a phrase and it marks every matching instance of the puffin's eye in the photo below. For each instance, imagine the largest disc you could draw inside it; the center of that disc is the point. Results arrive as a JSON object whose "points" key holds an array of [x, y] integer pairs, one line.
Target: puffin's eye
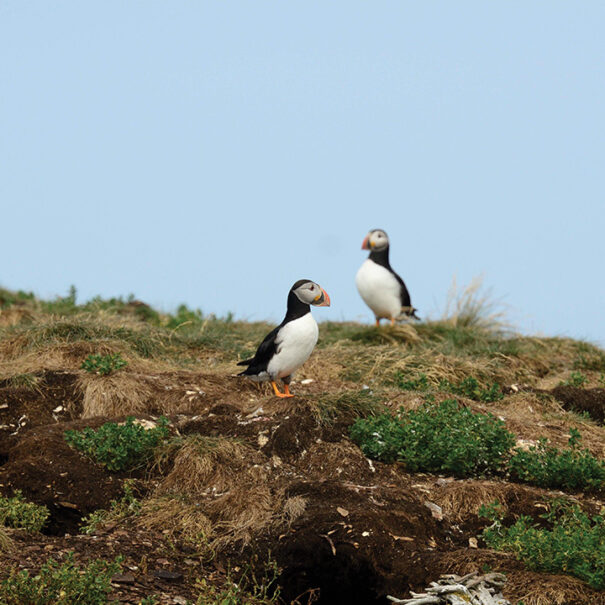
{"points": [[312, 288]]}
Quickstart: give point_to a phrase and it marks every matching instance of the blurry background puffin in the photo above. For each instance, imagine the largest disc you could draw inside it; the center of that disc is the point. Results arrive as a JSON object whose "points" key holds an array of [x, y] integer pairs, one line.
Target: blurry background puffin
{"points": [[289, 345], [380, 287]]}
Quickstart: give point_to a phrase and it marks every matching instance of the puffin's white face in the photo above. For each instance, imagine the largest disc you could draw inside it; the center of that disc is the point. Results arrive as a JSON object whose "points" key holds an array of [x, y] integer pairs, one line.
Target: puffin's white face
{"points": [[311, 293], [376, 239]]}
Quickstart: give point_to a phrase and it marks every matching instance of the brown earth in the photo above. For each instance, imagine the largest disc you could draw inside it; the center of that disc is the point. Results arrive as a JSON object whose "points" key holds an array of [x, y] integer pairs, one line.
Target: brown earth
{"points": [[279, 482]]}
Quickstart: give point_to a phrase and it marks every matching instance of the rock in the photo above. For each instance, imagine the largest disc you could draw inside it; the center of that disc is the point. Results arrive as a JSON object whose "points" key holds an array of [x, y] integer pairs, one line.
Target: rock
{"points": [[126, 578], [164, 574]]}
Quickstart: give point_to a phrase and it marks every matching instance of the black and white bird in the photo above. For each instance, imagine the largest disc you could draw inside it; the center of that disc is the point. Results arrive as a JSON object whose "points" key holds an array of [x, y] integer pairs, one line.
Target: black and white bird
{"points": [[289, 345], [379, 286]]}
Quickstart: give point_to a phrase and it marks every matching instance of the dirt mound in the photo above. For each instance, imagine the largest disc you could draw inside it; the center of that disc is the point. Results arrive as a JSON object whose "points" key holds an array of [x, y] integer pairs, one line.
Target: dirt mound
{"points": [[574, 399]]}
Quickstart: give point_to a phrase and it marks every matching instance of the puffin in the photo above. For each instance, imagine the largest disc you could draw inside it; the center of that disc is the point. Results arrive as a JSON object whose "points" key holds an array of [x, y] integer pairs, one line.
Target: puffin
{"points": [[379, 286], [289, 345]]}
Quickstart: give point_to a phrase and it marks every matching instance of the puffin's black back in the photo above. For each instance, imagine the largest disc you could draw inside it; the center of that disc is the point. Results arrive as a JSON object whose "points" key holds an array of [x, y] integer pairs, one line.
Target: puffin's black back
{"points": [[268, 348]]}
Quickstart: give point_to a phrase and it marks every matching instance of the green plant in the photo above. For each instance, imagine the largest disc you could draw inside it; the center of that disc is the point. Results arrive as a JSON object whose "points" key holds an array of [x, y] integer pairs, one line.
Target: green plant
{"points": [[576, 379], [185, 315], [548, 466], [16, 512], [470, 387], [444, 437], [119, 446], [103, 364], [574, 543], [252, 588], [129, 505], [60, 583], [420, 383]]}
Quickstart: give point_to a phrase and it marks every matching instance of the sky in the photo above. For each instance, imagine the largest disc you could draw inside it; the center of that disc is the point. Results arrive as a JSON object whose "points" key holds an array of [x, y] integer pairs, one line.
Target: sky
{"points": [[213, 153]]}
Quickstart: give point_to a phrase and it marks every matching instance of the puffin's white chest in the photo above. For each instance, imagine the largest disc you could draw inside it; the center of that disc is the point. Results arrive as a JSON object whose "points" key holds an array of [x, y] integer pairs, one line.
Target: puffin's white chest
{"points": [[295, 343], [379, 289]]}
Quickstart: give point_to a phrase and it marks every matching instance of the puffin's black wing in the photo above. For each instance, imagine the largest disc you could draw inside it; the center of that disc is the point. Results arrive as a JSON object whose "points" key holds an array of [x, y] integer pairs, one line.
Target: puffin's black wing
{"points": [[406, 301], [263, 355]]}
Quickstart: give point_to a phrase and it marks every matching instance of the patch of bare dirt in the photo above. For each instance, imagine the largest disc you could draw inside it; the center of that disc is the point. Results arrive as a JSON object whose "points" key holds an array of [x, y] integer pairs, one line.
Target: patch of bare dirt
{"points": [[574, 399]]}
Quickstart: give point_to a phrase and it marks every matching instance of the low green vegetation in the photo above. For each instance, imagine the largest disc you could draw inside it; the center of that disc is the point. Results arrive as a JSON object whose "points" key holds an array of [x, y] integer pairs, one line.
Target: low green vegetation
{"points": [[252, 588], [573, 542], [103, 364], [548, 466], [127, 506], [439, 438], [18, 513], [119, 446], [469, 387], [60, 582], [576, 379]]}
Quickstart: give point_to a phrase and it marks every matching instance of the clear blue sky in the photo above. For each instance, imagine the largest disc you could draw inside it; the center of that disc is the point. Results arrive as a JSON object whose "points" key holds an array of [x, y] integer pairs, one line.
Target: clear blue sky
{"points": [[215, 152]]}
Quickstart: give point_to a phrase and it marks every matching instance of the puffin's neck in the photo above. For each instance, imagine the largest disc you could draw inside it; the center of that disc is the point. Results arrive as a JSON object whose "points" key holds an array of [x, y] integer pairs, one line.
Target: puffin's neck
{"points": [[381, 257], [296, 308]]}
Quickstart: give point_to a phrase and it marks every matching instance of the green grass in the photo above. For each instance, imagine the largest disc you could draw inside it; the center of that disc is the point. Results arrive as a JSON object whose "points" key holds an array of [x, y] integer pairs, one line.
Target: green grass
{"points": [[438, 438], [17, 513], [574, 543], [60, 583], [119, 446]]}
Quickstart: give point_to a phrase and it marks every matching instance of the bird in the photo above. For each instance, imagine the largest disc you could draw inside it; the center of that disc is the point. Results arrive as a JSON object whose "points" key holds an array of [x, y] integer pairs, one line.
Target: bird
{"points": [[290, 344], [379, 286]]}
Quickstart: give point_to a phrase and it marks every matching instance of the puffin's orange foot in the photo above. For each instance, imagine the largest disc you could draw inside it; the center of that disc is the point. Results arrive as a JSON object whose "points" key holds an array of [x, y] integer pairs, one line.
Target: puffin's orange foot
{"points": [[392, 321], [278, 394], [378, 323]]}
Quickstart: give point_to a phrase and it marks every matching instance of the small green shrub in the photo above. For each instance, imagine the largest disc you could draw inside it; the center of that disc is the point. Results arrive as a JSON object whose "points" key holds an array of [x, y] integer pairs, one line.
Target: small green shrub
{"points": [[119, 446], [16, 512], [440, 438], [64, 583], [575, 543], [129, 505], [103, 364], [548, 466], [472, 389], [420, 383]]}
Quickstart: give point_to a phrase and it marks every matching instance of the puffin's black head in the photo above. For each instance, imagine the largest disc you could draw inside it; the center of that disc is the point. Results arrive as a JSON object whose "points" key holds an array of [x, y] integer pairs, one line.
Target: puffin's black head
{"points": [[377, 240], [310, 293]]}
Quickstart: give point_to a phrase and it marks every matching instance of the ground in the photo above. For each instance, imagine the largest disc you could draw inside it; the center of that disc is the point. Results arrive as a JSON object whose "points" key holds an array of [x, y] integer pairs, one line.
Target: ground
{"points": [[257, 479]]}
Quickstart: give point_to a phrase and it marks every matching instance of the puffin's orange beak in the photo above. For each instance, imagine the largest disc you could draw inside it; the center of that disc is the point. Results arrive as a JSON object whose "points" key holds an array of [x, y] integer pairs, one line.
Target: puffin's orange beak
{"points": [[322, 300], [366, 243]]}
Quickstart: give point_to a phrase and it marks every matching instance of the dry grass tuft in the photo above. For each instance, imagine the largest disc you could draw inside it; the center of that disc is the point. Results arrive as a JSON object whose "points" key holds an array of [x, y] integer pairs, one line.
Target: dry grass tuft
{"points": [[471, 307], [527, 587], [118, 394], [230, 484], [178, 519], [5, 541], [15, 315], [461, 500], [294, 508]]}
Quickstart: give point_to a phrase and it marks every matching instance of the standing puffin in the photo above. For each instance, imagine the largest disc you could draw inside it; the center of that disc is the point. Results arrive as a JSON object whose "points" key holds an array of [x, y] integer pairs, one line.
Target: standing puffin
{"points": [[379, 286], [289, 345]]}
